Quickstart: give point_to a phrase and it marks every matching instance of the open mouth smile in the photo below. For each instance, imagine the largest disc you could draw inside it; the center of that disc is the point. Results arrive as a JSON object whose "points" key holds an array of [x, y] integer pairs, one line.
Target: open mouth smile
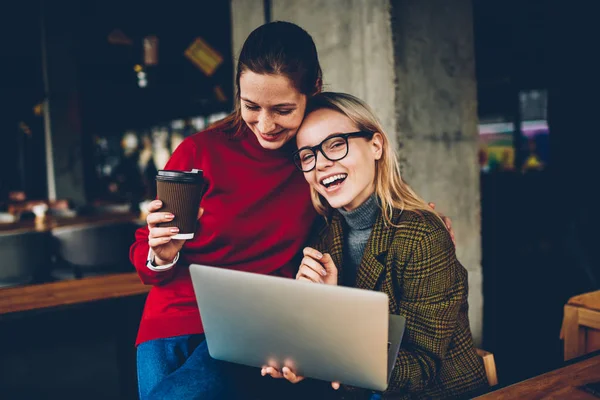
{"points": [[333, 181]]}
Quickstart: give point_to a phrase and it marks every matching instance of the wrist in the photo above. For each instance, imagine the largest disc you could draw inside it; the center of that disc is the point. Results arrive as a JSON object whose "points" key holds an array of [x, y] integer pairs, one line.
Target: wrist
{"points": [[154, 263], [160, 262]]}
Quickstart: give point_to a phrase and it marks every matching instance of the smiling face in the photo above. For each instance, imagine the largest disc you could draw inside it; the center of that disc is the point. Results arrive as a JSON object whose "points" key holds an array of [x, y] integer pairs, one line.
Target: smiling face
{"points": [[271, 107], [346, 183]]}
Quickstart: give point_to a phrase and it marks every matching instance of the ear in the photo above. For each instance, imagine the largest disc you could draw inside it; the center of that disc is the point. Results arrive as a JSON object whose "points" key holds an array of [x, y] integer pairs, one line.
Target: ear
{"points": [[318, 86], [377, 145]]}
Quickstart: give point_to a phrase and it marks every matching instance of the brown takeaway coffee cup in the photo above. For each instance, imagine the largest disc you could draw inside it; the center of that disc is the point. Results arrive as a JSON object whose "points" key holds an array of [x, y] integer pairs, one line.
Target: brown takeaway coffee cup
{"points": [[180, 193]]}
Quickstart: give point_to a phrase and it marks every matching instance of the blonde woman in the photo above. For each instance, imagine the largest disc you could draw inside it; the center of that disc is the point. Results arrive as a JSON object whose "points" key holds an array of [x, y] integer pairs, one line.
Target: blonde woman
{"points": [[382, 236]]}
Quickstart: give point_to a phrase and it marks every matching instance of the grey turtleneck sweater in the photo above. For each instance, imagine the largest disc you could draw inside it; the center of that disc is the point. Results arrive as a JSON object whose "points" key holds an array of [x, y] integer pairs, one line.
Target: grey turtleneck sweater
{"points": [[360, 223]]}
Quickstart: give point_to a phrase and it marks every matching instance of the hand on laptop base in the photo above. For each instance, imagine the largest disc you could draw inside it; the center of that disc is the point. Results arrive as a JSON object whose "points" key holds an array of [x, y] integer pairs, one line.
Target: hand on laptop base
{"points": [[289, 375]]}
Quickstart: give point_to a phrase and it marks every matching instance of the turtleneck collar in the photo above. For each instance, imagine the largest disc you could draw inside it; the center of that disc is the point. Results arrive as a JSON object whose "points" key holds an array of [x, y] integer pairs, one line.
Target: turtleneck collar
{"points": [[362, 217]]}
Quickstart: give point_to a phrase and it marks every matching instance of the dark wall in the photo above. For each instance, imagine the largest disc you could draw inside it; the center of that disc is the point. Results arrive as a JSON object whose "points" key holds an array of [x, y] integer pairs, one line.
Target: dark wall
{"points": [[176, 87], [539, 230], [21, 88], [96, 86]]}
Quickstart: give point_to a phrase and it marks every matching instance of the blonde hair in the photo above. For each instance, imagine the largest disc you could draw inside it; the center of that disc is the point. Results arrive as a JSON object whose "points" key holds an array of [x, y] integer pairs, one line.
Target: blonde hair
{"points": [[392, 192]]}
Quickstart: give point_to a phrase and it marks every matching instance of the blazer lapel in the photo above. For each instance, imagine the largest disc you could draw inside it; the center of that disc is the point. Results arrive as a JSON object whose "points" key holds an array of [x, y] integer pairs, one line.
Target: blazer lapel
{"points": [[372, 264], [335, 243]]}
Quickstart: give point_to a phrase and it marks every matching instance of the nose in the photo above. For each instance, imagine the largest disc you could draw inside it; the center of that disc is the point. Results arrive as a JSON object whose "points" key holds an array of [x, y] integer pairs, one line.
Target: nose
{"points": [[265, 123], [322, 161]]}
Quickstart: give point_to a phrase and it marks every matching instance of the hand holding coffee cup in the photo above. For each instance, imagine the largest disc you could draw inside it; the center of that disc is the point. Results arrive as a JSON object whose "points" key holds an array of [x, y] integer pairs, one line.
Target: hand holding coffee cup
{"points": [[173, 217], [161, 241]]}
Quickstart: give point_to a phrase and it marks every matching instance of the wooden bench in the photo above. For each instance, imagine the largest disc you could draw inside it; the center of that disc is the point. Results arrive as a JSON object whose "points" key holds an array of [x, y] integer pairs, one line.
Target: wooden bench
{"points": [[71, 292]]}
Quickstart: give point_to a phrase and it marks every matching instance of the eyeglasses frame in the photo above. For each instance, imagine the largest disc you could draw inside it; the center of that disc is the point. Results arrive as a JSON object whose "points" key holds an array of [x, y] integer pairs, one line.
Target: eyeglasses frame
{"points": [[346, 136]]}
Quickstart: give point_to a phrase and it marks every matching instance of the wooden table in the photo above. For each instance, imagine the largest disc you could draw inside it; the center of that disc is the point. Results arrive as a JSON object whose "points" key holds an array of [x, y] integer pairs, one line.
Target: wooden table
{"points": [[63, 293], [108, 310], [581, 325], [562, 383]]}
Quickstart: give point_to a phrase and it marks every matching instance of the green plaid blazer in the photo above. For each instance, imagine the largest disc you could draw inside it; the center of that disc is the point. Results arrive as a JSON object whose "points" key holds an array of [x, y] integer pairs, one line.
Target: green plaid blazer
{"points": [[416, 266]]}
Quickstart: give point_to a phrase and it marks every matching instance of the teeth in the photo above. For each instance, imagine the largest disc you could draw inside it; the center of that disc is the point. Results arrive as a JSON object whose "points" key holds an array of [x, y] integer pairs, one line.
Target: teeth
{"points": [[333, 178]]}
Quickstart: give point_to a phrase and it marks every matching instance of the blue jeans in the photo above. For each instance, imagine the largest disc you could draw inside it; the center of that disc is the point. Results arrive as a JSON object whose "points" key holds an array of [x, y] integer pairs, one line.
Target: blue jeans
{"points": [[158, 358], [181, 368]]}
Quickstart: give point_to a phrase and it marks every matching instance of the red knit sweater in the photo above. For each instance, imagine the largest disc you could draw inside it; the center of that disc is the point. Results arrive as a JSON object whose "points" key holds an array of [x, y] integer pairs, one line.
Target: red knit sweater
{"points": [[257, 216]]}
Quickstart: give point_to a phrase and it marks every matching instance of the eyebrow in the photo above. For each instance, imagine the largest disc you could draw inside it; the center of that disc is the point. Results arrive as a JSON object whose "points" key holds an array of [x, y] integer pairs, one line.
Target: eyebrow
{"points": [[276, 105]]}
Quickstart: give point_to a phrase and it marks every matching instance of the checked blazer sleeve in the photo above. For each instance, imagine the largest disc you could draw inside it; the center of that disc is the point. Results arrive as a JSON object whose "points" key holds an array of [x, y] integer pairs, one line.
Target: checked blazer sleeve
{"points": [[433, 288], [413, 261]]}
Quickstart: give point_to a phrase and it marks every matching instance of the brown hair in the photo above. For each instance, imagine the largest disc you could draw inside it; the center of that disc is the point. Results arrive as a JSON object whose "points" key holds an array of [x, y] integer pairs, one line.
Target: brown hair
{"points": [[278, 48]]}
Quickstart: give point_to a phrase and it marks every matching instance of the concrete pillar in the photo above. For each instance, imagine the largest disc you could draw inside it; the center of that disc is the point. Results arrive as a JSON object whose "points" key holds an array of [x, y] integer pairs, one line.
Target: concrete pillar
{"points": [[64, 136], [436, 121], [413, 62], [246, 15], [354, 42]]}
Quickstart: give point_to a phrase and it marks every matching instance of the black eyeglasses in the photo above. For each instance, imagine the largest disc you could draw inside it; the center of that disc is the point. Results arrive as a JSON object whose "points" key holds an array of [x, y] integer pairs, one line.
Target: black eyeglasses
{"points": [[334, 148]]}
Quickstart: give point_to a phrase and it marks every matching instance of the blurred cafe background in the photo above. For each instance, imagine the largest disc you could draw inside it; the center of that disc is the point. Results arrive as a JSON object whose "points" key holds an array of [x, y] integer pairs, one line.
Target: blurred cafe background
{"points": [[493, 106]]}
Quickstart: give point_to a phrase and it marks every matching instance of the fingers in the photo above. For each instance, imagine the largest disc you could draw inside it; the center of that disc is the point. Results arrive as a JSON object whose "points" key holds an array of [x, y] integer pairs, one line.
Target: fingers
{"points": [[316, 261], [290, 376], [162, 232], [314, 265], [313, 253], [157, 217], [448, 223], [285, 373], [311, 267], [328, 263], [154, 206], [160, 236], [309, 274], [322, 259], [159, 241], [273, 372]]}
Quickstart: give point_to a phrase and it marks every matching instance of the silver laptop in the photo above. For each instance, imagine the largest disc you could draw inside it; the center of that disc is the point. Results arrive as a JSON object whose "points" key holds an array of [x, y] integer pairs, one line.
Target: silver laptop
{"points": [[320, 331]]}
